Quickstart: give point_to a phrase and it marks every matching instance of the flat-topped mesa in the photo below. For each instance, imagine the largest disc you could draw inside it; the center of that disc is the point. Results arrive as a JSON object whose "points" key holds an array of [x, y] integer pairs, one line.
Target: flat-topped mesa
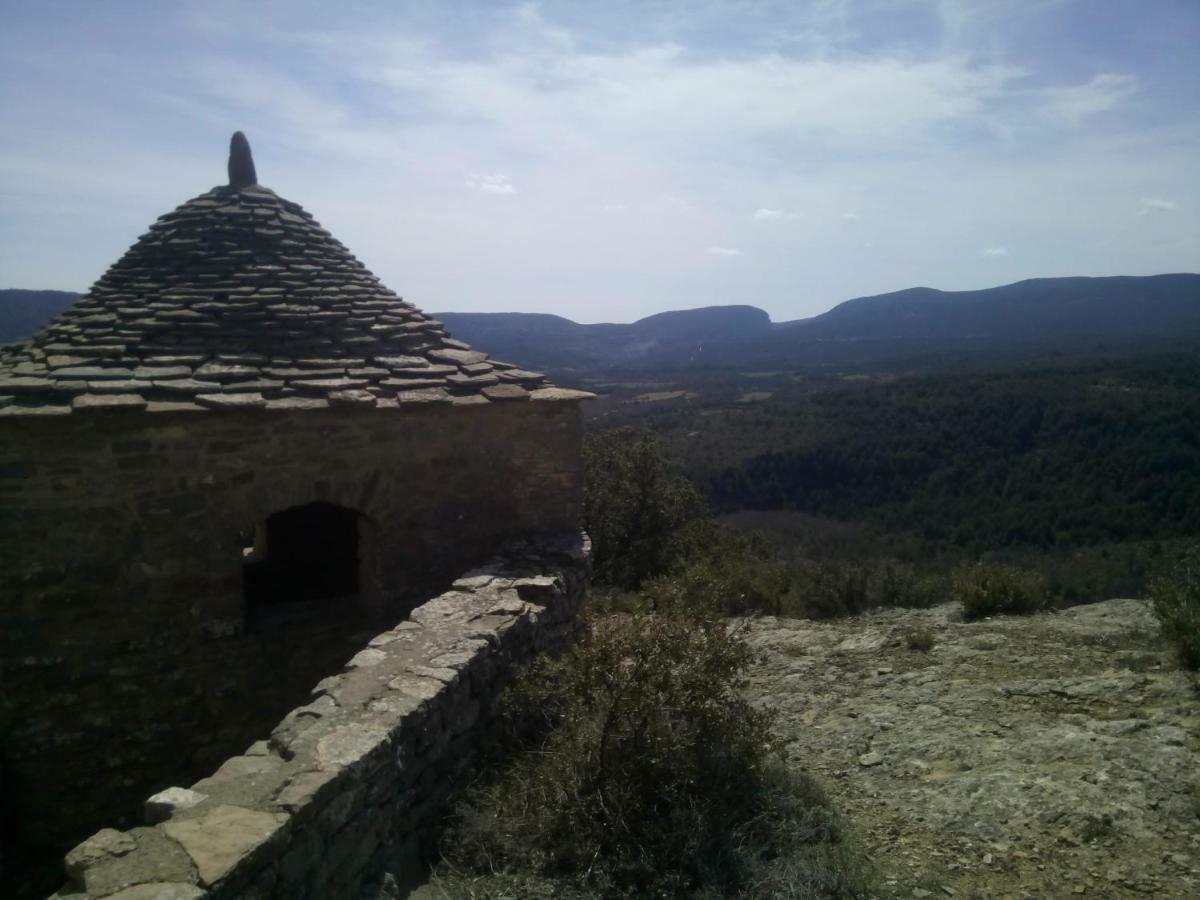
{"points": [[241, 162], [239, 299]]}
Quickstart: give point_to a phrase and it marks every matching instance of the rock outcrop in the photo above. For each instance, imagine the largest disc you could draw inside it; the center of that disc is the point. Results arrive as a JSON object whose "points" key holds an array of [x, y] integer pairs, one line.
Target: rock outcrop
{"points": [[1054, 755]]}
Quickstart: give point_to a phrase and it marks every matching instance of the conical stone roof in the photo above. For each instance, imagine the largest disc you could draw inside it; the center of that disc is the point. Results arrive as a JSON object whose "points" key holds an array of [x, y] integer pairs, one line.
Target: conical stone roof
{"points": [[239, 299]]}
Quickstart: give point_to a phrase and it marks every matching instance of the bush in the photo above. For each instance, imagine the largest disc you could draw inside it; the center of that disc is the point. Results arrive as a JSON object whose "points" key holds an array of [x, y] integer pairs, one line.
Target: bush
{"points": [[634, 507], [826, 590], [722, 569], [1176, 600], [992, 589], [656, 778], [920, 639], [901, 585]]}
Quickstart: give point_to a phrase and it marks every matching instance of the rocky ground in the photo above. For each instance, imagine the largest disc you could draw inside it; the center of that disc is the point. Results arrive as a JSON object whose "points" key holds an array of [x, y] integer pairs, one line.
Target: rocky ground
{"points": [[1054, 755]]}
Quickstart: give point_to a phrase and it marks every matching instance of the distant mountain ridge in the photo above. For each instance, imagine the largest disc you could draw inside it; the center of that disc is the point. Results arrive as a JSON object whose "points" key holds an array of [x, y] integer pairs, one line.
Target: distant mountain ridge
{"points": [[1042, 312], [1038, 307], [670, 338], [24, 312]]}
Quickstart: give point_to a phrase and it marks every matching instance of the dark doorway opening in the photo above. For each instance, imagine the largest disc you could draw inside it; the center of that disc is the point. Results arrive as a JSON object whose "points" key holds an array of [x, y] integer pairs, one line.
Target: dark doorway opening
{"points": [[301, 556]]}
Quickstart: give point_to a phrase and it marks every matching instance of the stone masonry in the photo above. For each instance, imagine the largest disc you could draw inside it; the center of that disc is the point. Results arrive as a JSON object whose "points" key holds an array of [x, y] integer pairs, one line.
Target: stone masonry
{"points": [[232, 462], [129, 662], [351, 785]]}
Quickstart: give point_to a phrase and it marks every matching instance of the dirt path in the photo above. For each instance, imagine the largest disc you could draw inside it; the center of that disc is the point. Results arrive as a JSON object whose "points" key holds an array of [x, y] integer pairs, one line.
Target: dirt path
{"points": [[1056, 755]]}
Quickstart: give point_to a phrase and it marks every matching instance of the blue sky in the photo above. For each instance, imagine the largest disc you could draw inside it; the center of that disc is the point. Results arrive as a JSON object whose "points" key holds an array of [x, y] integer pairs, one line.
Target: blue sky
{"points": [[608, 160]]}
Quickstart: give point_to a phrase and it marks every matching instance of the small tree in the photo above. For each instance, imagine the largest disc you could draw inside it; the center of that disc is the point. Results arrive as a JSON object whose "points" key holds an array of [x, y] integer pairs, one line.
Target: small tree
{"points": [[634, 507]]}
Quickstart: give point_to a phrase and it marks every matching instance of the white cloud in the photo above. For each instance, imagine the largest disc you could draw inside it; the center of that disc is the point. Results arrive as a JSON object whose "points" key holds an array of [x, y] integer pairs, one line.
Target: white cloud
{"points": [[615, 207], [849, 216], [491, 184], [1156, 204], [762, 214], [996, 251], [1078, 102], [724, 251]]}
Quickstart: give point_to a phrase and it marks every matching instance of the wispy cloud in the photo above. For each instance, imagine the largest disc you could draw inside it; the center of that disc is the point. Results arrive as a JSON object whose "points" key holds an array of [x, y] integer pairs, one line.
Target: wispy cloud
{"points": [[1103, 92], [724, 251], [849, 216], [491, 184], [1155, 204], [996, 251], [763, 214]]}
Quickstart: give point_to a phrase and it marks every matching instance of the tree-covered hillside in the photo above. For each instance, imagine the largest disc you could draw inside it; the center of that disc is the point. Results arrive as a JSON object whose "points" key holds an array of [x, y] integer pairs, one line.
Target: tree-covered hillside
{"points": [[1058, 457], [24, 312]]}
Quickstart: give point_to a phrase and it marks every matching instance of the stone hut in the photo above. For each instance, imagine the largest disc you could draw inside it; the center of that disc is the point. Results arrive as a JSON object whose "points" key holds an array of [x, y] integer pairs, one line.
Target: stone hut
{"points": [[222, 469]]}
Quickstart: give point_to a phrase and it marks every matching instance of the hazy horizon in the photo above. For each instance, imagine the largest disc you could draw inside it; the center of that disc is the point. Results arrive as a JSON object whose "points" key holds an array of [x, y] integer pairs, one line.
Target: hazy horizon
{"points": [[608, 162]]}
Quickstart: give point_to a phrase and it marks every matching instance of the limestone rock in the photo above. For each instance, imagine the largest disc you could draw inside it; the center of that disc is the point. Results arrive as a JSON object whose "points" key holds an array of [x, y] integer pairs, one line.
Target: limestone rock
{"points": [[555, 393], [461, 357], [224, 838], [505, 392], [165, 804], [160, 891], [352, 744], [113, 861], [108, 403], [104, 843]]}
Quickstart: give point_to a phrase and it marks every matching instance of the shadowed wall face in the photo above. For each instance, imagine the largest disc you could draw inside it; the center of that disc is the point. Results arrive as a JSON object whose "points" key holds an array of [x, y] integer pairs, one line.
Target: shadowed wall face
{"points": [[131, 660]]}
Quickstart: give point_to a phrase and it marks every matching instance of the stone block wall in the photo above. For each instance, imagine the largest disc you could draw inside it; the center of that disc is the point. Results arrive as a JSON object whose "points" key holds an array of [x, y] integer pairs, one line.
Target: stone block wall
{"points": [[353, 783], [126, 660]]}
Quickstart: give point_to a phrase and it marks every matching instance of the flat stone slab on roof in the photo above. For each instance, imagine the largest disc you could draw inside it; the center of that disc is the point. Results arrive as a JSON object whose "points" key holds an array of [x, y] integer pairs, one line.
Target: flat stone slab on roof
{"points": [[239, 299]]}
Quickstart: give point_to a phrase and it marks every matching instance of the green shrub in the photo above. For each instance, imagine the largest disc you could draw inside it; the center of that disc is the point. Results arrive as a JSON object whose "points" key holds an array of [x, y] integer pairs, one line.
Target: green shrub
{"points": [[649, 775], [634, 506], [829, 589], [723, 569], [899, 584], [992, 589], [1176, 599]]}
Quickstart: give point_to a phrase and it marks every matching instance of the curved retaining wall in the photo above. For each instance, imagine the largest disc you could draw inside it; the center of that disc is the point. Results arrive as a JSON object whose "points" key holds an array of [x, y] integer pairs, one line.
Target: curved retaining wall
{"points": [[354, 783]]}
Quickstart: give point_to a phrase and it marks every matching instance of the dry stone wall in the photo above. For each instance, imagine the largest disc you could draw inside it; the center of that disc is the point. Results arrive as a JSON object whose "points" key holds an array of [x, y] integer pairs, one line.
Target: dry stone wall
{"points": [[351, 785], [126, 657]]}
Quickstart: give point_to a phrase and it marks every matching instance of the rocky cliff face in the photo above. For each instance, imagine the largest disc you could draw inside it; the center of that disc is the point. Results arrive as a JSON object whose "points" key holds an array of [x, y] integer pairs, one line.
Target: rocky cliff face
{"points": [[1048, 756]]}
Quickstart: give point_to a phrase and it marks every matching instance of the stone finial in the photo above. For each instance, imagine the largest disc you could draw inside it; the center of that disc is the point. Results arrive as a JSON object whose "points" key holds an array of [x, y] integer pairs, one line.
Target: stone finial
{"points": [[241, 163]]}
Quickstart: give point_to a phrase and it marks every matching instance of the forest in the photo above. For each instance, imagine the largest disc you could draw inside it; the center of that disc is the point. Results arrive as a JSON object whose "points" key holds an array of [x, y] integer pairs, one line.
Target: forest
{"points": [[1054, 458], [1092, 466]]}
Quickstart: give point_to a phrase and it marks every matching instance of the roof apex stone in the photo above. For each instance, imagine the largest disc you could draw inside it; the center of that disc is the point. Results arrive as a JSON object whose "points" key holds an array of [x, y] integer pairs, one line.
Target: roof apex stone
{"points": [[241, 162]]}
